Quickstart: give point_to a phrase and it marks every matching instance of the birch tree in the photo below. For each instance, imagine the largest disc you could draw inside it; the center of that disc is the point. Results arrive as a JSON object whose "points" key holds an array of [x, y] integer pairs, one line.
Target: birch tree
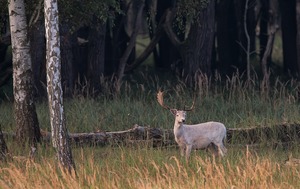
{"points": [[54, 88], [24, 106]]}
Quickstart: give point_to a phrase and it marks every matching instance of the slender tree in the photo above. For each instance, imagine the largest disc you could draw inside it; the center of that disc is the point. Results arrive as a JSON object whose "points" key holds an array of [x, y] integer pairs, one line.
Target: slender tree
{"points": [[130, 46], [289, 35], [24, 106], [54, 88]]}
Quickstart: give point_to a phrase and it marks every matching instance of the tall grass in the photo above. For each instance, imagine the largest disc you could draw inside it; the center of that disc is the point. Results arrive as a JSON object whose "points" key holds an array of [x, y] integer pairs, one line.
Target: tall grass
{"points": [[154, 168], [230, 100]]}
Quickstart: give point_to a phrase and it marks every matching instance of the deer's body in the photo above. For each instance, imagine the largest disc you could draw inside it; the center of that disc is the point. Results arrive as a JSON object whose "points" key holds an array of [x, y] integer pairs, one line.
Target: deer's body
{"points": [[198, 136]]}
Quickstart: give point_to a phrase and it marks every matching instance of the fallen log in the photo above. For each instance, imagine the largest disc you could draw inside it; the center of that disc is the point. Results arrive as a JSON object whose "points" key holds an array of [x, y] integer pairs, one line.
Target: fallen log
{"points": [[137, 134], [156, 137], [277, 134]]}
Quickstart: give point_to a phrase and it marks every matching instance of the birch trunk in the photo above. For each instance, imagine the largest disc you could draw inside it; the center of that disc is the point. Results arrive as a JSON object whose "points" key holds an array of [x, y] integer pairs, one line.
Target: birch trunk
{"points": [[24, 108], [54, 88]]}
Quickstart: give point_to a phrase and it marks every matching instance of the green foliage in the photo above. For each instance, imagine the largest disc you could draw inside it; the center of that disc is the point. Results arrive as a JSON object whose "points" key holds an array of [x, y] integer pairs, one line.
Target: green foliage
{"points": [[75, 13], [80, 13], [188, 11]]}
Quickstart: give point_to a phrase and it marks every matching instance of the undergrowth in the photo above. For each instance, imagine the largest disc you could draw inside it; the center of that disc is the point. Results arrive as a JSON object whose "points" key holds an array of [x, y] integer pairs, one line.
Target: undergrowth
{"points": [[230, 100], [155, 168], [236, 103]]}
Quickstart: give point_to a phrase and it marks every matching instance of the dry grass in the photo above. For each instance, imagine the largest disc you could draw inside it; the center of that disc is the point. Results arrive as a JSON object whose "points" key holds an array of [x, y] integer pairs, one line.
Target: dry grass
{"points": [[230, 100], [140, 168]]}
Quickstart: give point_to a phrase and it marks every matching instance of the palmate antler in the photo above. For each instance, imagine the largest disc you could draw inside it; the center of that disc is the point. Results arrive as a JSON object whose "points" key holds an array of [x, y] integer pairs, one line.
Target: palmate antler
{"points": [[192, 107], [160, 100]]}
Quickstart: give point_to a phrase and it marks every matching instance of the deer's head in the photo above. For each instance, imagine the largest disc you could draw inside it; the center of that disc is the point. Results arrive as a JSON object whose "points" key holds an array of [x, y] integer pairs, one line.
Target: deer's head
{"points": [[180, 115]]}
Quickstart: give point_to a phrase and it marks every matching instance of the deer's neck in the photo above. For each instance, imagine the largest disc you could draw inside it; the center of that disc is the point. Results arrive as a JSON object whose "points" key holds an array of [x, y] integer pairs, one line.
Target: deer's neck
{"points": [[177, 125]]}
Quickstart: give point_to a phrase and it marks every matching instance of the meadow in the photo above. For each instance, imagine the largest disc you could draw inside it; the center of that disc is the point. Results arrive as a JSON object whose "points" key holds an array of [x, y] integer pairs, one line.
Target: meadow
{"points": [[231, 100]]}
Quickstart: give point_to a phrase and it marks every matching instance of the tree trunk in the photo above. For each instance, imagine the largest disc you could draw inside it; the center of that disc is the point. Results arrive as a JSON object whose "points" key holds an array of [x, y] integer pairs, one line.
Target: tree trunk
{"points": [[167, 52], [196, 51], [130, 46], [38, 49], [67, 69], [96, 55], [289, 33], [59, 132], [197, 54], [298, 33], [241, 37], [227, 47], [24, 106], [6, 69], [263, 26], [116, 42]]}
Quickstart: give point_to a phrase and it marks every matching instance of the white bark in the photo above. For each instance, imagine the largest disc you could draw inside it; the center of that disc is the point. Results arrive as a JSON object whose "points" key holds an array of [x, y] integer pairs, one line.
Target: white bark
{"points": [[25, 115], [54, 87], [20, 47]]}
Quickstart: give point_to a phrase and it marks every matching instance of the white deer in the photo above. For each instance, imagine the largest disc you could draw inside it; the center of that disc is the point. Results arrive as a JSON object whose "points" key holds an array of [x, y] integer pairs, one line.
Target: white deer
{"points": [[209, 135]]}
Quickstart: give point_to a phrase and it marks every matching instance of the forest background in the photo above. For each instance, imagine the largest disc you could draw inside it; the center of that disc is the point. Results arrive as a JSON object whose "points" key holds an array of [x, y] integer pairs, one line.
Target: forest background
{"points": [[239, 58]]}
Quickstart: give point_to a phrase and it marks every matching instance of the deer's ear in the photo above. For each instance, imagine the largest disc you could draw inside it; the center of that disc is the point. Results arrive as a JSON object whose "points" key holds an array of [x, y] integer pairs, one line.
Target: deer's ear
{"points": [[173, 111]]}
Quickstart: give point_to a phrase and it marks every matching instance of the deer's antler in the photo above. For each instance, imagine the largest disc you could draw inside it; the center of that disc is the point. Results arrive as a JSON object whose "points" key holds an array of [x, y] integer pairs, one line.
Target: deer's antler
{"points": [[160, 100], [192, 107]]}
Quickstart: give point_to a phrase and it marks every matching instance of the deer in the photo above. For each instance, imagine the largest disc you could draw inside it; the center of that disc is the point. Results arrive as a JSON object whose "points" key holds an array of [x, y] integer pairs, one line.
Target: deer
{"points": [[209, 135]]}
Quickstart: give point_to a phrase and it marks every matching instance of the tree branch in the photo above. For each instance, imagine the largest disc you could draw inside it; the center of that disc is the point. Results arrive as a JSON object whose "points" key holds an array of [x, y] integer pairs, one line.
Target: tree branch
{"points": [[130, 46], [170, 14], [155, 38]]}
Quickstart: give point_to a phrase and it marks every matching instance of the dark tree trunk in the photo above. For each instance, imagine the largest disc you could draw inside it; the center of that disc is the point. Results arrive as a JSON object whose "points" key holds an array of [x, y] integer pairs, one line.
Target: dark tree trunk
{"points": [[67, 70], [80, 53], [5, 62], [263, 26], [197, 52], [96, 56], [130, 45], [151, 10], [167, 52], [241, 37], [289, 33], [116, 42], [298, 33], [227, 47], [110, 66], [38, 49]]}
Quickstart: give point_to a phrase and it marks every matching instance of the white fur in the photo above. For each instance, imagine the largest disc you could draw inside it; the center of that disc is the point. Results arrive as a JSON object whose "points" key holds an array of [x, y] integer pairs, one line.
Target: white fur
{"points": [[199, 136]]}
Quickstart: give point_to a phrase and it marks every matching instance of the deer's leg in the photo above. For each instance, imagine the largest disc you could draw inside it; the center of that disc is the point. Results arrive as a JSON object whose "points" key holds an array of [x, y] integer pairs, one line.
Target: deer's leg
{"points": [[188, 151], [213, 149], [223, 148], [220, 149], [182, 149]]}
